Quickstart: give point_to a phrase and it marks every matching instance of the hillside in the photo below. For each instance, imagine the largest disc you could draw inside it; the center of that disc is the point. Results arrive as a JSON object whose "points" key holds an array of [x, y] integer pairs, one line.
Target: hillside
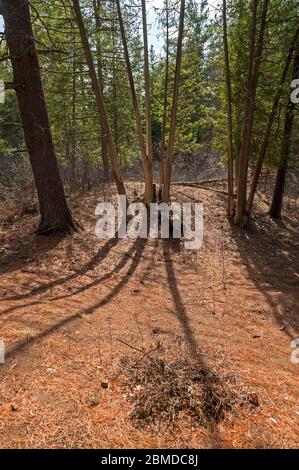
{"points": [[88, 323]]}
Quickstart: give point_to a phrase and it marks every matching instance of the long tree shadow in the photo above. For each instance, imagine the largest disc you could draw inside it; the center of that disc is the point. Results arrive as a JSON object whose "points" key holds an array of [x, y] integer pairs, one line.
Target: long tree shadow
{"points": [[134, 253], [92, 263], [270, 253], [170, 246], [137, 250], [15, 254], [117, 268]]}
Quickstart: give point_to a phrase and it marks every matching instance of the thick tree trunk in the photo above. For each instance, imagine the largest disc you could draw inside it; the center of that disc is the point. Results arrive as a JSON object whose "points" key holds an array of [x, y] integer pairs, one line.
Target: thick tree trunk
{"points": [[55, 214], [147, 165], [165, 99], [99, 100], [264, 146], [230, 156], [255, 55], [277, 200], [174, 109]]}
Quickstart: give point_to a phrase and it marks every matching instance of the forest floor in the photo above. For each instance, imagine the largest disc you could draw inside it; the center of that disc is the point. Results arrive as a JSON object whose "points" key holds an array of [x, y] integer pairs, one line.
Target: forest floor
{"points": [[129, 344]]}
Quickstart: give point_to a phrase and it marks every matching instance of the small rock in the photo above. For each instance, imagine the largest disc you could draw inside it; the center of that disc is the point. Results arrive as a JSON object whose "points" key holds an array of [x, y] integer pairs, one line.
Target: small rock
{"points": [[254, 399], [104, 385]]}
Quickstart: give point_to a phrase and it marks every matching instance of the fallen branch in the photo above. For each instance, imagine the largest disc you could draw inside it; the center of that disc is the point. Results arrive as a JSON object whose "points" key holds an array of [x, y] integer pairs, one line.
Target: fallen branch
{"points": [[215, 180], [199, 186]]}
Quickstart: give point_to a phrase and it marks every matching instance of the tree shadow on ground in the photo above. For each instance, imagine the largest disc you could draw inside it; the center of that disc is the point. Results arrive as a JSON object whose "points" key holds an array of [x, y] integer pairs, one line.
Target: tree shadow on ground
{"points": [[131, 258], [170, 247], [136, 250], [92, 263], [270, 253], [19, 252]]}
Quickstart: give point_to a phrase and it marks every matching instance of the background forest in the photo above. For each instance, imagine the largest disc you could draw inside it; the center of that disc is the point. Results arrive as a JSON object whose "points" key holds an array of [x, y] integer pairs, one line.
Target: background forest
{"points": [[201, 117]]}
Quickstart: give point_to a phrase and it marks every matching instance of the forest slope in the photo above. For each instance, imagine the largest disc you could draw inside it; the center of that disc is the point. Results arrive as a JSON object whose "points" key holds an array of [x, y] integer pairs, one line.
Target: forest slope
{"points": [[75, 310]]}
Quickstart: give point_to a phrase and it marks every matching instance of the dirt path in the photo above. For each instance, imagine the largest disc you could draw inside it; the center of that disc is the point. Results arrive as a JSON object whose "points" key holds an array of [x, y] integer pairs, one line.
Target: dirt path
{"points": [[72, 308]]}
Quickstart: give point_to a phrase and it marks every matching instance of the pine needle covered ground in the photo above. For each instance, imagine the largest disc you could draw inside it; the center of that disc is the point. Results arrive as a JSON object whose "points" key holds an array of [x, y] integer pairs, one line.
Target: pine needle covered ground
{"points": [[125, 343]]}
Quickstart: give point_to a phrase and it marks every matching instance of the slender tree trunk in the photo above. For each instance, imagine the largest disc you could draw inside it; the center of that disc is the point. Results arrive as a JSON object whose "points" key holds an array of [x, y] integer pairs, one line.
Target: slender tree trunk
{"points": [[147, 166], [230, 166], [277, 200], [73, 118], [147, 86], [173, 118], [99, 100], [55, 214], [165, 100], [264, 146], [114, 89], [241, 10], [104, 149], [255, 55], [73, 122]]}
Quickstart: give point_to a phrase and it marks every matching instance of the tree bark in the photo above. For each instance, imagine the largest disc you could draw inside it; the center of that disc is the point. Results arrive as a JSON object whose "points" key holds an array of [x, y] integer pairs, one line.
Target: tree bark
{"points": [[147, 86], [277, 200], [241, 12], [147, 165], [165, 99], [55, 214], [174, 109], [264, 146], [230, 156], [104, 149], [99, 100], [255, 54]]}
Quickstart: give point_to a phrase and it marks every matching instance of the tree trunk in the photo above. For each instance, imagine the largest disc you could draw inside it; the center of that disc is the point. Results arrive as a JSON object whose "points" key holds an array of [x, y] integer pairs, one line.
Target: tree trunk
{"points": [[55, 214], [99, 100], [277, 200], [252, 80], [73, 143], [173, 118], [147, 165], [147, 86], [165, 99], [230, 176], [104, 149], [114, 82], [241, 12], [263, 149]]}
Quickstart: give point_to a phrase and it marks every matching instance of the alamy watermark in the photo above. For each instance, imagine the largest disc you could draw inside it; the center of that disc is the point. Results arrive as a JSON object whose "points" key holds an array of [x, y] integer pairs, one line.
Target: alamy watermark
{"points": [[295, 353], [158, 220], [2, 91], [295, 92], [2, 352]]}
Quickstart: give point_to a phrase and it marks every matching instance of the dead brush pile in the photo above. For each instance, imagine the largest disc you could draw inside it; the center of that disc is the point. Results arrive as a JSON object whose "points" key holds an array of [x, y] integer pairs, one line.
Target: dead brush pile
{"points": [[167, 391]]}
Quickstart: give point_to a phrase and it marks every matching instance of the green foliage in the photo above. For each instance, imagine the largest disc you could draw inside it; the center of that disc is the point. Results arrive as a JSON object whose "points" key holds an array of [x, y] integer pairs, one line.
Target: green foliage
{"points": [[201, 119]]}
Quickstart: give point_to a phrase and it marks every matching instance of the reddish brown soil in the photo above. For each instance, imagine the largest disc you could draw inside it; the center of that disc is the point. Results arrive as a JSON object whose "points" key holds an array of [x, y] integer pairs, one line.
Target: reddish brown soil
{"points": [[68, 305]]}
